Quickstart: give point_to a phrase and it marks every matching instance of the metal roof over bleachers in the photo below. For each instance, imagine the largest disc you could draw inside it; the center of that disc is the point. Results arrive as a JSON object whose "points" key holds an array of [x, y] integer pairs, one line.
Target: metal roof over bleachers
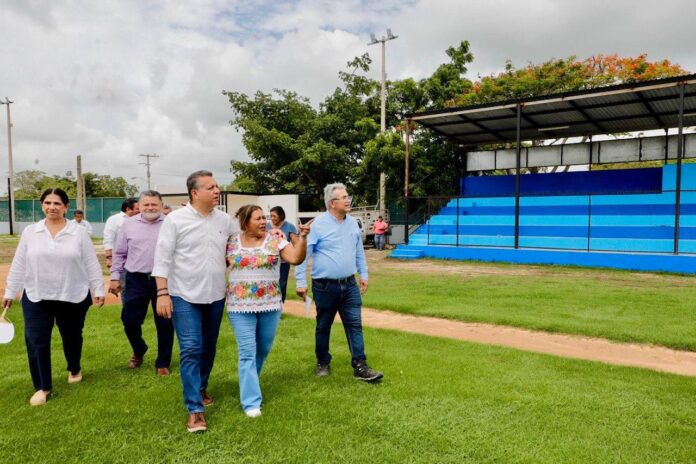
{"points": [[621, 108]]}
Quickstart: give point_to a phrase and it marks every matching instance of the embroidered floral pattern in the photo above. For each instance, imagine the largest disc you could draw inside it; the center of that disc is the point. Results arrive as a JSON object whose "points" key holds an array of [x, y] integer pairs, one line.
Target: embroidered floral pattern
{"points": [[252, 275]]}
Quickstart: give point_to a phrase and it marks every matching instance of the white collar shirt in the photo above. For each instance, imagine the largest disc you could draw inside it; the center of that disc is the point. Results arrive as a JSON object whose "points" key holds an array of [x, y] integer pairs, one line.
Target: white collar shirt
{"points": [[190, 254], [111, 229], [62, 268], [84, 224]]}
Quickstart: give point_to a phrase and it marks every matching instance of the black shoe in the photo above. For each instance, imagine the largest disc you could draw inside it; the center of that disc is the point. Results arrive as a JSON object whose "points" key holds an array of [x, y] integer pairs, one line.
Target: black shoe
{"points": [[362, 371], [322, 370]]}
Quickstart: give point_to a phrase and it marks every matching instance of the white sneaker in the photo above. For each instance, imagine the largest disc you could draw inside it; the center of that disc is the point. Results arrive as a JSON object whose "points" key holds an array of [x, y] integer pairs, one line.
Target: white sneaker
{"points": [[77, 378], [253, 412]]}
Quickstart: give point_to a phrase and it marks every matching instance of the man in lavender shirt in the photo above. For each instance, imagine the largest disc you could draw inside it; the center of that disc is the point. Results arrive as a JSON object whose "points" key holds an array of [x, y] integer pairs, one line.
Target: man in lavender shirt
{"points": [[134, 254]]}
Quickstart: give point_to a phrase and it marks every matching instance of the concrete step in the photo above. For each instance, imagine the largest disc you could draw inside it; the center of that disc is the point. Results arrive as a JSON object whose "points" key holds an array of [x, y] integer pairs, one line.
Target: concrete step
{"points": [[406, 253]]}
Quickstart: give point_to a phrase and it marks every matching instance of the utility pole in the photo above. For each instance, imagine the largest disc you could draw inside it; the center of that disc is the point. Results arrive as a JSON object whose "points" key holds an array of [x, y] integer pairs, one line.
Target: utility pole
{"points": [[147, 157], [80, 186], [10, 174], [383, 98]]}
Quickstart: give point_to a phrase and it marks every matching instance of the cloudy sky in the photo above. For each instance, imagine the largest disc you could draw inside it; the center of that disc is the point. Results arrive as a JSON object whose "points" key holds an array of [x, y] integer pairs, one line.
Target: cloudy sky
{"points": [[116, 78]]}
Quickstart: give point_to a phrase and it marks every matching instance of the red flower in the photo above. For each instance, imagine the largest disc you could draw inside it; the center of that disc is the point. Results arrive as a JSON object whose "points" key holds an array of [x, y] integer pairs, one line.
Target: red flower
{"points": [[260, 292], [244, 261]]}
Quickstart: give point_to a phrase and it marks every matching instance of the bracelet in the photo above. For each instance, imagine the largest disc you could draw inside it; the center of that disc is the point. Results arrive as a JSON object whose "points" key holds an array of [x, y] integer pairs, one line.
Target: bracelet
{"points": [[162, 294], [162, 290]]}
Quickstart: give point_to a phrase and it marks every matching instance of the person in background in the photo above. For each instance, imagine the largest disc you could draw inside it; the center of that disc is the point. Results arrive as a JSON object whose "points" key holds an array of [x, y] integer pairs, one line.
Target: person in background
{"points": [[380, 229], [278, 221], [79, 219], [190, 273], [134, 256], [56, 265], [254, 302], [166, 209], [129, 208], [335, 245], [113, 224]]}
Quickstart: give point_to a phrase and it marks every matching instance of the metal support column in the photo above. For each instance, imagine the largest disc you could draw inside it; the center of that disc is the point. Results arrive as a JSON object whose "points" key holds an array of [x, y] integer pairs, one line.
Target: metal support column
{"points": [[517, 176], [680, 155], [407, 142]]}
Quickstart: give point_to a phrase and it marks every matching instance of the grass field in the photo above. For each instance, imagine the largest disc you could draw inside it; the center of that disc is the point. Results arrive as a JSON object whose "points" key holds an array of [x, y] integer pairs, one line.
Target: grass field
{"points": [[618, 305], [441, 401]]}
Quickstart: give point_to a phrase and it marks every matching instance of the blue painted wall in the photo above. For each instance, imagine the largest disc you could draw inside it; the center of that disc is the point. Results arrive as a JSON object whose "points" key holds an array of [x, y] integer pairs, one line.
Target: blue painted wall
{"points": [[623, 181]]}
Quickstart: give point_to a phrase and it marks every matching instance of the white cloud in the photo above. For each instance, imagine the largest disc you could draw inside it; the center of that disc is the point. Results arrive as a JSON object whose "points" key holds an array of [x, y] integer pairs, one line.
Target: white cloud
{"points": [[113, 79]]}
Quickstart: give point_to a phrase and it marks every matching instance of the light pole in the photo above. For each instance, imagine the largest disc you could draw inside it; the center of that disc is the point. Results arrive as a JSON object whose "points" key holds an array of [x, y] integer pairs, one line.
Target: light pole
{"points": [[383, 116], [10, 174]]}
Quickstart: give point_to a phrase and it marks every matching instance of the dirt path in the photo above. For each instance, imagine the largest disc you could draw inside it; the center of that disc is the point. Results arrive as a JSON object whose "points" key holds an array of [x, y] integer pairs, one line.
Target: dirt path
{"points": [[570, 346]]}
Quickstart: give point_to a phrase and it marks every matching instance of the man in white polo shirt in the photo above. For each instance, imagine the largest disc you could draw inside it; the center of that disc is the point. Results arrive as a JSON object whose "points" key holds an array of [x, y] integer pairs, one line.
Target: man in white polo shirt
{"points": [[190, 272]]}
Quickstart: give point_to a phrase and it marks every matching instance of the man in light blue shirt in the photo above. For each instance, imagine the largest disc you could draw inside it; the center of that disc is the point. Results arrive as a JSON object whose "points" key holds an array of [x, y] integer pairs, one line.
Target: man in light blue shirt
{"points": [[335, 243]]}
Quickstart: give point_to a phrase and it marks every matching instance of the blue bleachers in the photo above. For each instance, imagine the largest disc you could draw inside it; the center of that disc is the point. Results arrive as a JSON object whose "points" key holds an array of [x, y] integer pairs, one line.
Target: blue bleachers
{"points": [[633, 222]]}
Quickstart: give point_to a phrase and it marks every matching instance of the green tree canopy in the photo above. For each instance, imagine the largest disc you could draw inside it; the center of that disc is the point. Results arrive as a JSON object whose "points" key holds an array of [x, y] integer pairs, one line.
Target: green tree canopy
{"points": [[30, 184], [296, 147]]}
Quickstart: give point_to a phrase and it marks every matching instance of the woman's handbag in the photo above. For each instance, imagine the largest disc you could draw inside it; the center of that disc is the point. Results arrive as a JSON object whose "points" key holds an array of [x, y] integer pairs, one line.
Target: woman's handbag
{"points": [[6, 328]]}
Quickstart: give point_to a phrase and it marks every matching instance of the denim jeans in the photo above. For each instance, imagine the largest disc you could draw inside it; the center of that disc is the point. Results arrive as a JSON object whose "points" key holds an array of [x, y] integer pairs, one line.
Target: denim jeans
{"points": [[39, 318], [142, 291], [197, 327], [283, 281], [255, 333], [330, 297], [379, 241]]}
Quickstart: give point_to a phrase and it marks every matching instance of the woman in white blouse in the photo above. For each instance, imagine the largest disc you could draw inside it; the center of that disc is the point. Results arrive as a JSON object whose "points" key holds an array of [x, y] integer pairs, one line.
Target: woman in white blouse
{"points": [[56, 265]]}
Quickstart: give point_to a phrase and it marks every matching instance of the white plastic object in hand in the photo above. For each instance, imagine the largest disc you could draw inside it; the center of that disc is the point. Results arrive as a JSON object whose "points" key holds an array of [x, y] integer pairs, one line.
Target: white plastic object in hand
{"points": [[6, 329], [307, 305]]}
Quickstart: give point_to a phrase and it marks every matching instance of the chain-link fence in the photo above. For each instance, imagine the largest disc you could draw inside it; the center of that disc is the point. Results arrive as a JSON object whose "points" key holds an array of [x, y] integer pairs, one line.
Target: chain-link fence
{"points": [[97, 209]]}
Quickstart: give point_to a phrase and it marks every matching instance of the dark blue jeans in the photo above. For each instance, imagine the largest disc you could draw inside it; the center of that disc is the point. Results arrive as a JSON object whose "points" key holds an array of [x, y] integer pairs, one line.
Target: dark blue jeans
{"points": [[283, 281], [142, 291], [197, 327], [342, 297], [39, 318]]}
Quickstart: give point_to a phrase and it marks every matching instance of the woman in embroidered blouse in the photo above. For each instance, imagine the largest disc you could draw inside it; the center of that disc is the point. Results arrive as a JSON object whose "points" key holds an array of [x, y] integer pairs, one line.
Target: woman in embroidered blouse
{"points": [[253, 295], [56, 265]]}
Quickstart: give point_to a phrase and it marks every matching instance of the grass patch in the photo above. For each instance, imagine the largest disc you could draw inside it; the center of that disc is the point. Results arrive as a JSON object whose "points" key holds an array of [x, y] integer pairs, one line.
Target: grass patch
{"points": [[618, 305], [441, 401]]}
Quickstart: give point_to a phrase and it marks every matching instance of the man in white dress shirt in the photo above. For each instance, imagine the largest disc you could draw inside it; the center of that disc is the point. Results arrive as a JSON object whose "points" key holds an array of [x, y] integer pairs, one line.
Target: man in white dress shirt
{"points": [[129, 208], [190, 273], [79, 219]]}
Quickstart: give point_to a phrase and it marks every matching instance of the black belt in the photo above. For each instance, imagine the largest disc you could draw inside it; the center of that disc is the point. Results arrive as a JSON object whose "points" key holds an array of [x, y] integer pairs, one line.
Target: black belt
{"points": [[344, 280], [141, 274]]}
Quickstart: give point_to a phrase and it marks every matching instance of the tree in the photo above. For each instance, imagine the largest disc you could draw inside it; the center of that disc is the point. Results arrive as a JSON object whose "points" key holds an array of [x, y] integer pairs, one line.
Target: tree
{"points": [[99, 185], [27, 183], [565, 75], [295, 147], [30, 184]]}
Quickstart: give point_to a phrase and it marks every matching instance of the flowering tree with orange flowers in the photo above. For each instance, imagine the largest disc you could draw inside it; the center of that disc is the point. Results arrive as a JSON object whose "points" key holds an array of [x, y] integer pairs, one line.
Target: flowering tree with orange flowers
{"points": [[564, 75]]}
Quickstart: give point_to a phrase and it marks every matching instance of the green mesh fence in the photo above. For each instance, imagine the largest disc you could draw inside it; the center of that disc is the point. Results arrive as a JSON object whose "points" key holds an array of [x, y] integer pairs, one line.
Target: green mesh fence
{"points": [[97, 209]]}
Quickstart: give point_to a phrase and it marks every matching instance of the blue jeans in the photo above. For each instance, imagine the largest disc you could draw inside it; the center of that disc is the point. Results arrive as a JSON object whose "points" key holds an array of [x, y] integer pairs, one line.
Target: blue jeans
{"points": [[283, 281], [330, 297], [197, 327], [379, 241], [255, 333]]}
